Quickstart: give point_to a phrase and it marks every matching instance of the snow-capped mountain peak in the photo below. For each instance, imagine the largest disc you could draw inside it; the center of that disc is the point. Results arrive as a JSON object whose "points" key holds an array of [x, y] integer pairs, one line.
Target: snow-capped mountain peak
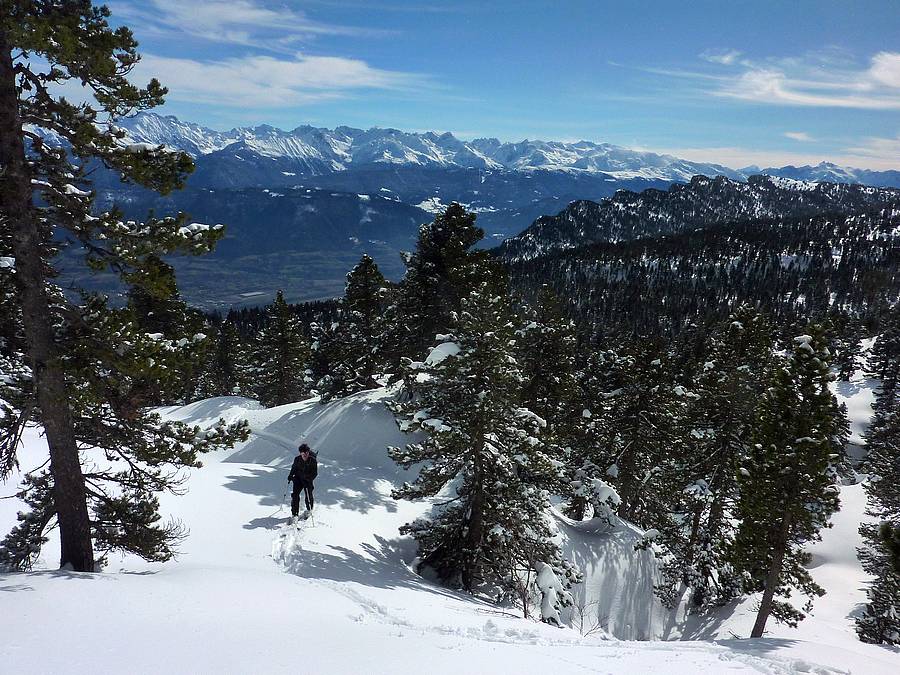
{"points": [[345, 147]]}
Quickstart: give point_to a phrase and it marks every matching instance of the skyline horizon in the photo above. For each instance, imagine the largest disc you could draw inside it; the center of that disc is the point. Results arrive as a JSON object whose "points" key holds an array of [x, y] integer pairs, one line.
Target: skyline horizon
{"points": [[765, 83], [287, 129]]}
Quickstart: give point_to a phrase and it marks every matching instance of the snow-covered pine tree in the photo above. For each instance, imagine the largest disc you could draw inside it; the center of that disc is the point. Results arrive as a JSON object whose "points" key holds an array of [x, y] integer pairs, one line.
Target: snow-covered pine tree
{"points": [[547, 357], [483, 457], [882, 362], [646, 438], [880, 554], [81, 359], [327, 368], [354, 348], [280, 358], [697, 545], [586, 439], [225, 370], [789, 481], [848, 331], [158, 309], [440, 273]]}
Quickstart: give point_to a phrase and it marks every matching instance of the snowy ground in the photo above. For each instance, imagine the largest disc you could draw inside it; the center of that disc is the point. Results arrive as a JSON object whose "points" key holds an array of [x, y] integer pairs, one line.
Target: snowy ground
{"points": [[250, 595]]}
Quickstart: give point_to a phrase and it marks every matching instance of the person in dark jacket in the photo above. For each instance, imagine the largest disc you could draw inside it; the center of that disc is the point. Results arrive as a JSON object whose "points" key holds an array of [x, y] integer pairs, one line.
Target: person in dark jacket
{"points": [[303, 472]]}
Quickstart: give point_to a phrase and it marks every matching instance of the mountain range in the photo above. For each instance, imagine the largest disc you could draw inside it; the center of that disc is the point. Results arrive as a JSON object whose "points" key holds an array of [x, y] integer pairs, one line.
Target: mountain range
{"points": [[655, 262], [302, 205], [700, 203], [314, 151]]}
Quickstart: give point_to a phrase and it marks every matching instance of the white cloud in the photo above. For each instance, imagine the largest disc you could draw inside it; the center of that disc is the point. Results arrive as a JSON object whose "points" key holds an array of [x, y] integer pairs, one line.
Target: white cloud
{"points": [[258, 82], [726, 58], [240, 22], [828, 78], [881, 152], [819, 83], [885, 69], [799, 136]]}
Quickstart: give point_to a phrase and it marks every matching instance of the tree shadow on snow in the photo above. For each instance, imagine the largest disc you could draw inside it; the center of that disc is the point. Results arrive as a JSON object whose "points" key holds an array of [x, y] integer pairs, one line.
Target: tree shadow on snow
{"points": [[58, 574], [850, 389], [616, 595], [15, 588], [353, 489], [706, 626], [758, 646], [379, 566], [267, 523]]}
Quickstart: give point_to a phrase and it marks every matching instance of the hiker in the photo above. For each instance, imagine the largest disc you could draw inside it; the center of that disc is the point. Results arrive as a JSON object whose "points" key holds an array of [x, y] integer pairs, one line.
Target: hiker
{"points": [[303, 473]]}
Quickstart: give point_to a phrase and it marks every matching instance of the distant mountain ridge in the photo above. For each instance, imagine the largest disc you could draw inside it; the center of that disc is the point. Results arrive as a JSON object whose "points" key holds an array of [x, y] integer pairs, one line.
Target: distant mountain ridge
{"points": [[318, 150], [301, 206], [702, 202], [654, 262], [313, 151]]}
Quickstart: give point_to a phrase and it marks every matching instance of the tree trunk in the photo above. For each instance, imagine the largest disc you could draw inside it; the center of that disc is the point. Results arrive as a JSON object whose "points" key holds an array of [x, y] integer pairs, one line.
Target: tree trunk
{"points": [[49, 377], [476, 519], [765, 605]]}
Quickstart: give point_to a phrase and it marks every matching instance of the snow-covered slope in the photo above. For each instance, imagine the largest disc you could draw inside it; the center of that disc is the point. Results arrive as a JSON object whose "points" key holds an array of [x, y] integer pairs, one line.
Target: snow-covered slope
{"points": [[251, 595]]}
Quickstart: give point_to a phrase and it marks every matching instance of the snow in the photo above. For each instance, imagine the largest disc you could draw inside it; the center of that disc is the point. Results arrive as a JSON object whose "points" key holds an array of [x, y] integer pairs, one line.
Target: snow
{"points": [[858, 395], [140, 147], [441, 352], [7, 263], [552, 591], [337, 594], [195, 229], [70, 189], [432, 205]]}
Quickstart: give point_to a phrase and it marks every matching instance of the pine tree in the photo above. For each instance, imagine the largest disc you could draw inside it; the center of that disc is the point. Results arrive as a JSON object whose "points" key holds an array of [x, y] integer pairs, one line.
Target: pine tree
{"points": [[484, 451], [83, 359], [158, 309], [880, 554], [789, 480], [847, 345], [883, 362], [587, 439], [698, 545], [354, 347], [646, 438], [225, 370], [440, 273], [547, 348], [281, 356]]}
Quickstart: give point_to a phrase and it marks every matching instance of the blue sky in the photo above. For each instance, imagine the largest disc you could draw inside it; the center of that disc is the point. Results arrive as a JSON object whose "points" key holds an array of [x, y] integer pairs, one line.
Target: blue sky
{"points": [[740, 83]]}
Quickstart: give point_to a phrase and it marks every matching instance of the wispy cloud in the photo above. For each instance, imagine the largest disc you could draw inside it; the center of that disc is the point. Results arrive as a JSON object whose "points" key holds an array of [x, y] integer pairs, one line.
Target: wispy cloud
{"points": [[266, 82], [801, 136], [872, 153], [827, 79], [238, 22], [878, 152], [727, 57]]}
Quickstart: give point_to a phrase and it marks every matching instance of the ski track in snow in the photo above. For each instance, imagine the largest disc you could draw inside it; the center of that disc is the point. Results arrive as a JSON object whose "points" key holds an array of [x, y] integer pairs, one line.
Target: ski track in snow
{"points": [[253, 593]]}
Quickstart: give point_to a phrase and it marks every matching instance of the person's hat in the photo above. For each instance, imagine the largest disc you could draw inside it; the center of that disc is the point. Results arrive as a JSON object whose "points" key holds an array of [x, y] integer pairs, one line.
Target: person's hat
{"points": [[303, 447]]}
